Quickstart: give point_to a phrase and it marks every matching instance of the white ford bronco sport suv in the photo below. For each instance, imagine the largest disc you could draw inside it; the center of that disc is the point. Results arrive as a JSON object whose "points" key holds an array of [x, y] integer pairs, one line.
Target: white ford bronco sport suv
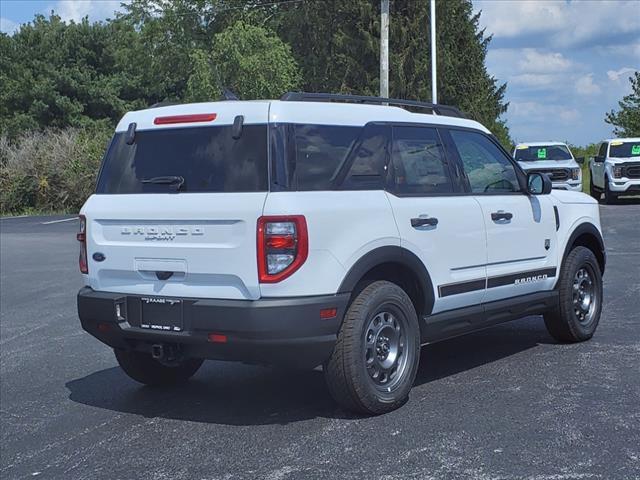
{"points": [[325, 230], [553, 158], [616, 169]]}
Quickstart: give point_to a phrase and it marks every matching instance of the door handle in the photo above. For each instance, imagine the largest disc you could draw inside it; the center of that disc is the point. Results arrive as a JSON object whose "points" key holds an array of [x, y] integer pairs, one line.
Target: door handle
{"points": [[501, 215], [424, 222]]}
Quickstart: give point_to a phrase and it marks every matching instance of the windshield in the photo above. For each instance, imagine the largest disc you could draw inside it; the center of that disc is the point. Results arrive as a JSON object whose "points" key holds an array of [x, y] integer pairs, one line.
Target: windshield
{"points": [[624, 149], [542, 152], [194, 159]]}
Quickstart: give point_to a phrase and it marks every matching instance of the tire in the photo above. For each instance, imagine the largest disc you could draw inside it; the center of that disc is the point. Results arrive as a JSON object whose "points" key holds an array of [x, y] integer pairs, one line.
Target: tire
{"points": [[375, 359], [592, 189], [576, 317], [145, 369], [610, 198]]}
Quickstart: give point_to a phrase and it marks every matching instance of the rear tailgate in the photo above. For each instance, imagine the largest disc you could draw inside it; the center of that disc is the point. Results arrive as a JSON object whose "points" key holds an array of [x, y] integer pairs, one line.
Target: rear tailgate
{"points": [[193, 238]]}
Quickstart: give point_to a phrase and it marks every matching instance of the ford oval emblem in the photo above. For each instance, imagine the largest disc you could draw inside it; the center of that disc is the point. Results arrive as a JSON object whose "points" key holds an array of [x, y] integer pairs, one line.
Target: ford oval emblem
{"points": [[98, 257]]}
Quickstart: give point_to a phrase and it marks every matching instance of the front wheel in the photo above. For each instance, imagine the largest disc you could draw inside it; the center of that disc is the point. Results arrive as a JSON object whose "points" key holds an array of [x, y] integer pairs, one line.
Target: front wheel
{"points": [[576, 317], [375, 359], [143, 368]]}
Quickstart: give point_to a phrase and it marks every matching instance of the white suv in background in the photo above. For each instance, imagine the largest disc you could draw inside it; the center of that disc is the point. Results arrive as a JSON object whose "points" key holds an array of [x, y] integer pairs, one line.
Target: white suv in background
{"points": [[328, 230], [553, 158], [616, 169]]}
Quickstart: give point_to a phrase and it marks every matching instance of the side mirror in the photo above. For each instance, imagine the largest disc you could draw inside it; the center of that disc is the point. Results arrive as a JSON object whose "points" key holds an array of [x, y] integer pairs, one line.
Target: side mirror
{"points": [[538, 183], [580, 160], [598, 159]]}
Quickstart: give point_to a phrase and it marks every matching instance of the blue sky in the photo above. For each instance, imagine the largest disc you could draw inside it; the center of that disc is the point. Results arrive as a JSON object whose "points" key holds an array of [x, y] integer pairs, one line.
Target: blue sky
{"points": [[566, 62]]}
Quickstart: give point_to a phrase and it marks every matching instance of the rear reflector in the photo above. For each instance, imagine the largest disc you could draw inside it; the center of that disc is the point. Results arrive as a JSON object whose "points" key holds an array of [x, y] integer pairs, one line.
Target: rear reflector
{"points": [[194, 118], [104, 327], [328, 313], [217, 338]]}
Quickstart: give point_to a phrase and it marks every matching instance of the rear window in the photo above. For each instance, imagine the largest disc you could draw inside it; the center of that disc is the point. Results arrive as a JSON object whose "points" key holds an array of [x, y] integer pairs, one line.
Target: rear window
{"points": [[542, 152], [624, 149], [197, 159]]}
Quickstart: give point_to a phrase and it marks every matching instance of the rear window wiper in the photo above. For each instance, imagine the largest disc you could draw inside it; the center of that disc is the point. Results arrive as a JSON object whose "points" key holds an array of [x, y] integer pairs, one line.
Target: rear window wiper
{"points": [[175, 181]]}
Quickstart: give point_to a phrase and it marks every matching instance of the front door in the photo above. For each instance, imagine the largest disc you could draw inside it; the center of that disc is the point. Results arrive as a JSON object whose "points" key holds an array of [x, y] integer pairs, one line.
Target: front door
{"points": [[520, 228]]}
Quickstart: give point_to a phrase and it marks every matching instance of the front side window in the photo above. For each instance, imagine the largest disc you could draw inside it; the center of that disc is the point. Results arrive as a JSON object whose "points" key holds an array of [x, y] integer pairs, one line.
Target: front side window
{"points": [[418, 162], [603, 150], [487, 168]]}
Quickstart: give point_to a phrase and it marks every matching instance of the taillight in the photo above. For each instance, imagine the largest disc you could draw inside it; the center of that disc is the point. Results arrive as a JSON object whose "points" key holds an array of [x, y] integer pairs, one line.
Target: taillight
{"points": [[82, 238], [193, 118], [283, 245]]}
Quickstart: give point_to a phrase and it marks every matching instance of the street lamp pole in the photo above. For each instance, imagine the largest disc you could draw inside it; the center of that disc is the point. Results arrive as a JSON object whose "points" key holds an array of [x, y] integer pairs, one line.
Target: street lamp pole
{"points": [[434, 86], [384, 48]]}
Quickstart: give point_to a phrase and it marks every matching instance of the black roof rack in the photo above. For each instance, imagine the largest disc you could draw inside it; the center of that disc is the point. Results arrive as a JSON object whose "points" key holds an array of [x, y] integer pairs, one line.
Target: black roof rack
{"points": [[438, 109]]}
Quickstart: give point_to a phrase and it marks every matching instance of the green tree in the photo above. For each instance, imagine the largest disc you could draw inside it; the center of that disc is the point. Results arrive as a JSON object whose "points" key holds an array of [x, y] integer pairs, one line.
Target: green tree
{"points": [[54, 74], [336, 43], [626, 121], [253, 62]]}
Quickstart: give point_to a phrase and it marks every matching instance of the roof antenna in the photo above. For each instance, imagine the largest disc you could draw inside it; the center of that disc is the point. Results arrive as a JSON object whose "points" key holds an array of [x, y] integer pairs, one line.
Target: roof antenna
{"points": [[229, 95]]}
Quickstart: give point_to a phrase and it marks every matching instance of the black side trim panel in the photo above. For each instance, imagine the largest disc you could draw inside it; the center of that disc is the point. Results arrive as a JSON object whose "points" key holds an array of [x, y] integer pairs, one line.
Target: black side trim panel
{"points": [[462, 287], [528, 276], [390, 254], [461, 321]]}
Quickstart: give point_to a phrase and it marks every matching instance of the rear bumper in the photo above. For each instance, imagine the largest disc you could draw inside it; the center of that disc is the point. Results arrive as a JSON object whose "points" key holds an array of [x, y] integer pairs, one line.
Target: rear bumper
{"points": [[270, 331]]}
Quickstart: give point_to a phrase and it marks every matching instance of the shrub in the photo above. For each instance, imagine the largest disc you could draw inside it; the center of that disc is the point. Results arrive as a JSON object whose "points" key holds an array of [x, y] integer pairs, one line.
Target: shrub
{"points": [[51, 170]]}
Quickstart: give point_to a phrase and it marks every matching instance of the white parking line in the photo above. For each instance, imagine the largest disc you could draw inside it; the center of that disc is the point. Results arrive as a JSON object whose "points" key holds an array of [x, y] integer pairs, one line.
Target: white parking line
{"points": [[59, 221]]}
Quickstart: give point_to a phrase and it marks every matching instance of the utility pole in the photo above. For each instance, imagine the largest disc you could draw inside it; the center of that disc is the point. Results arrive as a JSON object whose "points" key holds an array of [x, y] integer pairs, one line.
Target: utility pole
{"points": [[384, 48], [434, 86]]}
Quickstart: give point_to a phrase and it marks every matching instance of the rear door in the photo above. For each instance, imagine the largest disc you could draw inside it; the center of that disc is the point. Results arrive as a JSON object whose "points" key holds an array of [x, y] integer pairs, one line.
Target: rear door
{"points": [[597, 168], [441, 226], [520, 228], [176, 208]]}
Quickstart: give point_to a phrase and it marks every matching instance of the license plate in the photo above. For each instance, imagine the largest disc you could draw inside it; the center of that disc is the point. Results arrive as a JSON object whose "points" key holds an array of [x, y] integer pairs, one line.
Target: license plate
{"points": [[161, 314]]}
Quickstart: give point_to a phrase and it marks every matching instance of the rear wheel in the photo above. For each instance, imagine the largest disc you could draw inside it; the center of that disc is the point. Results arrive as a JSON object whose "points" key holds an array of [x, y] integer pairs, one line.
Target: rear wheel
{"points": [[375, 359], [576, 317], [143, 368]]}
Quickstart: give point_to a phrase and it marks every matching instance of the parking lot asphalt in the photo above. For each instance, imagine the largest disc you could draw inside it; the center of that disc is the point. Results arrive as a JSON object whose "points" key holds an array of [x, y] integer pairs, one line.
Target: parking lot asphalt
{"points": [[504, 403]]}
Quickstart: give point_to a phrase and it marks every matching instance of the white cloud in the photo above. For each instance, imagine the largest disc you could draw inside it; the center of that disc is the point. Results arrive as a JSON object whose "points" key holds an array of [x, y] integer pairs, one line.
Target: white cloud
{"points": [[565, 22], [586, 86], [531, 111], [76, 10], [8, 26], [624, 72], [534, 61]]}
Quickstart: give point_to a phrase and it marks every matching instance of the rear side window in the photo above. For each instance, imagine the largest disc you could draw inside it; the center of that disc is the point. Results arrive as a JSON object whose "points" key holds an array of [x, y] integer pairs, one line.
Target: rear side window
{"points": [[205, 159], [320, 151], [418, 161]]}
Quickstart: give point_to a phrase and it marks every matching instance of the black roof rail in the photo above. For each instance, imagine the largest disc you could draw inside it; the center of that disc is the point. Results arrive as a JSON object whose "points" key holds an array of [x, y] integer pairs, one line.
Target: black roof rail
{"points": [[438, 109], [164, 103]]}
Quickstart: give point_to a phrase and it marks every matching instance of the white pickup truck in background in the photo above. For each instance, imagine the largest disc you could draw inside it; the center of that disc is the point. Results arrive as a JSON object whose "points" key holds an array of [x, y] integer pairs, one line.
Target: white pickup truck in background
{"points": [[553, 158], [616, 169]]}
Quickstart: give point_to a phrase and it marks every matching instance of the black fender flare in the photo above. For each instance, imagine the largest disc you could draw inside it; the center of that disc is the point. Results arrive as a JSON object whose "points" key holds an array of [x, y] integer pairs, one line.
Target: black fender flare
{"points": [[391, 254], [588, 229]]}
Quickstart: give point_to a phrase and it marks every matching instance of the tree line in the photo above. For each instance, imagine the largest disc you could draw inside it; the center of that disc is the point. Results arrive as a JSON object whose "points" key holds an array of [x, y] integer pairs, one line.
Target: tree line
{"points": [[66, 84]]}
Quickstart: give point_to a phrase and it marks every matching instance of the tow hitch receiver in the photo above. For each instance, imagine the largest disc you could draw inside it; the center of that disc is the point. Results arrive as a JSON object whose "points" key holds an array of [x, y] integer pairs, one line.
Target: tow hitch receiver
{"points": [[168, 354]]}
